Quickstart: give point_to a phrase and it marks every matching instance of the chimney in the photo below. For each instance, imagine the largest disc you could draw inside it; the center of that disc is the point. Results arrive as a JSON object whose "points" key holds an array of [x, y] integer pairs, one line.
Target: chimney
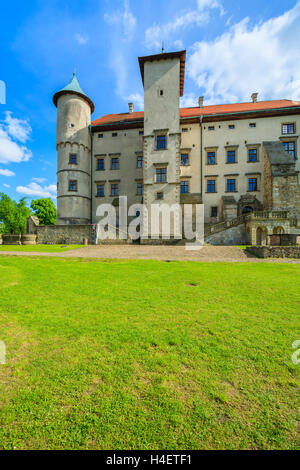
{"points": [[131, 107], [254, 97], [200, 101]]}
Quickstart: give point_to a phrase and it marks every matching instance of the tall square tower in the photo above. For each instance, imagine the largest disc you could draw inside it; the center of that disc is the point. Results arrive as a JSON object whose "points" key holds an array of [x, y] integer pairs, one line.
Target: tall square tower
{"points": [[163, 79]]}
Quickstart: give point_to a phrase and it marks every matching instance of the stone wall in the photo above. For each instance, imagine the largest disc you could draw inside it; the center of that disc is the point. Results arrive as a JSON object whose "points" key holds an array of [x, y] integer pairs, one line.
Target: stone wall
{"points": [[65, 234], [232, 236], [274, 251]]}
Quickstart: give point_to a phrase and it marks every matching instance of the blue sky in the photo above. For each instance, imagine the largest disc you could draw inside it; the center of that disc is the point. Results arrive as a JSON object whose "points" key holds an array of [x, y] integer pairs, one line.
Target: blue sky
{"points": [[234, 47]]}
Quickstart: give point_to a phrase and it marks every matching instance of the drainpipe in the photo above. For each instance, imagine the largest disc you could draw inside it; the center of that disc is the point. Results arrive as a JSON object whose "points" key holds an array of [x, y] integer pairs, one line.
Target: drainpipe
{"points": [[91, 136], [201, 158]]}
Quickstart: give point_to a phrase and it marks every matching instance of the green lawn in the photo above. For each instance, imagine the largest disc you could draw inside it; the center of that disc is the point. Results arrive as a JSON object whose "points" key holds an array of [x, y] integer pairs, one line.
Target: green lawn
{"points": [[148, 354], [40, 248]]}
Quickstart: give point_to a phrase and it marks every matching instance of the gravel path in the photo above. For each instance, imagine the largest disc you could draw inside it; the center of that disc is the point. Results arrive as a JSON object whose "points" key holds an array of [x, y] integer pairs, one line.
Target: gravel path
{"points": [[208, 253]]}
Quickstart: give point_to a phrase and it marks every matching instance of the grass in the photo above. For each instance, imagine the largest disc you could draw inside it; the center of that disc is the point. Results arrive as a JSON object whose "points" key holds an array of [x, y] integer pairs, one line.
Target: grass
{"points": [[148, 354], [39, 248]]}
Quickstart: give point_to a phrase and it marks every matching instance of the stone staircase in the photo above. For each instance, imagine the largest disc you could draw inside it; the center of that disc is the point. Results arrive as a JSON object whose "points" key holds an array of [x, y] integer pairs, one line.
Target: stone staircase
{"points": [[227, 224]]}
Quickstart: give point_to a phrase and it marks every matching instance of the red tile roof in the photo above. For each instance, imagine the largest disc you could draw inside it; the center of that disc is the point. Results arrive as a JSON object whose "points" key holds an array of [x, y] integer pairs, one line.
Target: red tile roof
{"points": [[212, 110]]}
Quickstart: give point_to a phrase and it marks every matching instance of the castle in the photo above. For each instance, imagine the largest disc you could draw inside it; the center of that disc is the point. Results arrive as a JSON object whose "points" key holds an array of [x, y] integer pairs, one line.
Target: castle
{"points": [[237, 159]]}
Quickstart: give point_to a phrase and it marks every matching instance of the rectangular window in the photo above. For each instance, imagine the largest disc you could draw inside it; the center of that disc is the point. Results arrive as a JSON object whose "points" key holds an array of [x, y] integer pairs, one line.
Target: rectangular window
{"points": [[184, 159], [231, 156], [211, 158], [185, 129], [290, 147], [114, 134], [161, 175], [100, 164], [141, 132], [100, 190], [214, 212], [252, 155], [184, 187], [252, 124], [288, 128], [73, 185], [114, 188], [140, 161], [114, 163], [161, 142], [211, 128], [252, 184], [73, 158], [231, 186], [140, 189], [159, 195], [211, 186], [100, 136], [231, 126]]}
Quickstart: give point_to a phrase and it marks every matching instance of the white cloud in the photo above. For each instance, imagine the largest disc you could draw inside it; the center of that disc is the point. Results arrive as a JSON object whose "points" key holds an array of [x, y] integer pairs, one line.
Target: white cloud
{"points": [[34, 189], [6, 185], [189, 100], [11, 151], [5, 172], [39, 180], [19, 129], [11, 130], [81, 39], [199, 16], [263, 58], [124, 19]]}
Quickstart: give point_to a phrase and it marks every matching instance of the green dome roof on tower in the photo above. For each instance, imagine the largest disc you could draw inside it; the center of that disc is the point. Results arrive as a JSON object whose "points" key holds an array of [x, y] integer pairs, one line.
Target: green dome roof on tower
{"points": [[73, 87]]}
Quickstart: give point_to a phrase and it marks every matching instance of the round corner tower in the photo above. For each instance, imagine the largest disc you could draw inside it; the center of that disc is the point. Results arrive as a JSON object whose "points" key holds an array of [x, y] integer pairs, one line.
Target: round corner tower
{"points": [[73, 144]]}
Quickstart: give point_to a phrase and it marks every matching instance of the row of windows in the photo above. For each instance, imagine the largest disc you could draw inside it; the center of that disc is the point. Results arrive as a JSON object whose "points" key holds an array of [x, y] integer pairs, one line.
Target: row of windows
{"points": [[114, 188], [287, 128], [231, 155], [115, 163], [115, 134], [231, 185]]}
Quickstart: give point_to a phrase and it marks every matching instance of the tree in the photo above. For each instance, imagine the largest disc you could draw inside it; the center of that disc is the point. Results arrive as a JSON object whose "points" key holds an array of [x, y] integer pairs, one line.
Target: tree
{"points": [[13, 215], [45, 210]]}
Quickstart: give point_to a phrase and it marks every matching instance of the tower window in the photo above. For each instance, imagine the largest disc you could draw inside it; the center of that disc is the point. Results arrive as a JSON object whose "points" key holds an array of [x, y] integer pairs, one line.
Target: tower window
{"points": [[252, 124], [140, 161], [100, 136], [184, 129], [161, 175], [100, 164], [114, 134], [159, 195], [252, 184], [141, 132], [73, 185], [161, 142], [214, 212], [140, 189], [290, 147], [288, 128], [114, 189], [73, 158], [252, 155], [211, 158], [184, 187], [161, 92], [100, 190], [231, 156], [211, 128], [231, 126], [184, 159], [211, 186], [114, 163], [231, 186]]}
